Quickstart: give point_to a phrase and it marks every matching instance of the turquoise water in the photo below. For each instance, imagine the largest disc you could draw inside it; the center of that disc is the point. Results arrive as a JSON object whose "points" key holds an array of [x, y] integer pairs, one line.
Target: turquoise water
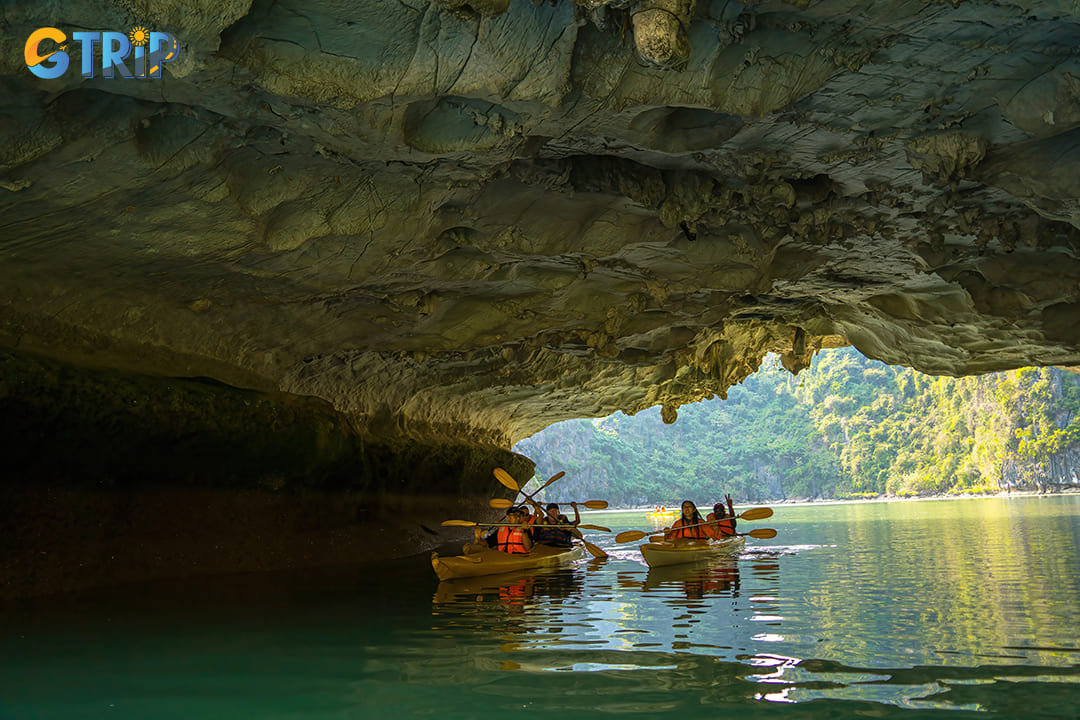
{"points": [[950, 608]]}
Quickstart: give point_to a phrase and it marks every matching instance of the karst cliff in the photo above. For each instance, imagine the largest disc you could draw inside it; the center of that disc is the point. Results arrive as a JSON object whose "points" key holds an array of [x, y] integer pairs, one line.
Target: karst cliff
{"points": [[295, 298]]}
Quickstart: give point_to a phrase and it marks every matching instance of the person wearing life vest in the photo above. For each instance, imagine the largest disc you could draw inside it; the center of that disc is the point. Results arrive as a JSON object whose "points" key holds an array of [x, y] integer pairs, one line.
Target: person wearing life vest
{"points": [[691, 526], [550, 529], [721, 524], [514, 538]]}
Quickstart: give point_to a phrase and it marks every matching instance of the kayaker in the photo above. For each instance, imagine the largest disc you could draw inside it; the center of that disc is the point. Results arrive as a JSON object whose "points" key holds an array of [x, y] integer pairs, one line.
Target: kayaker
{"points": [[513, 539], [546, 530], [721, 523], [681, 527]]}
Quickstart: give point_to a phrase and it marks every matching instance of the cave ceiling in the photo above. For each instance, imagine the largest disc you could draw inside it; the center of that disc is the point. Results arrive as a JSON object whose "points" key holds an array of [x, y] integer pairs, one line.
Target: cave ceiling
{"points": [[473, 220]]}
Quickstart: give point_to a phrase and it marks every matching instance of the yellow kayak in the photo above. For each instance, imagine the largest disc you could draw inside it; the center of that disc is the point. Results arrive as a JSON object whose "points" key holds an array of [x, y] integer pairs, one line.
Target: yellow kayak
{"points": [[666, 515], [488, 561], [677, 552]]}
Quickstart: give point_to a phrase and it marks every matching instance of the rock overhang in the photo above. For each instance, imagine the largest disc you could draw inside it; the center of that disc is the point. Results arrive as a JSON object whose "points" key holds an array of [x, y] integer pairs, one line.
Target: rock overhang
{"points": [[454, 221]]}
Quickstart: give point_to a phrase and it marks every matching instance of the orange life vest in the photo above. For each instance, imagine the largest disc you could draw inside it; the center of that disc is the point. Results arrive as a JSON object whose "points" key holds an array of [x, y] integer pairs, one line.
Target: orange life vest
{"points": [[694, 533], [721, 528], [510, 540]]}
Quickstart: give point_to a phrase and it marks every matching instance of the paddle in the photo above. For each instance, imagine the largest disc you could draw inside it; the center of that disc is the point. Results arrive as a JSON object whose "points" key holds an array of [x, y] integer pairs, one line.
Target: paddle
{"points": [[472, 523], [507, 480], [595, 551], [550, 480], [761, 533], [751, 514], [755, 514], [503, 504]]}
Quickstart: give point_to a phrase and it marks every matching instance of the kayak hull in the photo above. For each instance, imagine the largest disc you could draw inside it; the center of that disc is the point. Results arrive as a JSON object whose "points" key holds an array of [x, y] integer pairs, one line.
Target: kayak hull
{"points": [[488, 561], [678, 552]]}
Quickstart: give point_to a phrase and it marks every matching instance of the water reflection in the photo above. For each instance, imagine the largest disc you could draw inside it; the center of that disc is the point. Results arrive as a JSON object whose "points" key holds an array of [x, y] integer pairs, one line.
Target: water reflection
{"points": [[696, 581], [629, 609], [515, 589]]}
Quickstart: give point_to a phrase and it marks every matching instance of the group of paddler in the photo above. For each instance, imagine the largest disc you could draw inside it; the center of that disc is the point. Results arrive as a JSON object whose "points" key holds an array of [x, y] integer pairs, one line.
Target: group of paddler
{"points": [[516, 537], [544, 537]]}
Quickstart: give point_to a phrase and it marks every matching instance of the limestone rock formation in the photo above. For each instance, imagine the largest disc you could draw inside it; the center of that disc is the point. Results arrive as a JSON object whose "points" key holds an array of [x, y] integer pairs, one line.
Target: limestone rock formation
{"points": [[458, 222]]}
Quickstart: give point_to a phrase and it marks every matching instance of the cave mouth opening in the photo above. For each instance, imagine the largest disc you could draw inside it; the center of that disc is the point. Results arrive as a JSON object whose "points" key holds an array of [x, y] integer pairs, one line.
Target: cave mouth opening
{"points": [[847, 427]]}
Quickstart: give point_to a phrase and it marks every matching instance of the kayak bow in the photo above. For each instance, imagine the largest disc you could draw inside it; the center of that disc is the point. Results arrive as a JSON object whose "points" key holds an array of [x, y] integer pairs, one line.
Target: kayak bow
{"points": [[677, 552], [487, 561]]}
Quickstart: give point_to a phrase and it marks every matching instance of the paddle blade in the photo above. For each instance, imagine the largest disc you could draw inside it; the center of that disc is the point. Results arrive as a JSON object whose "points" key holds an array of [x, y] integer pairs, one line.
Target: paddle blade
{"points": [[657, 538], [594, 550], [459, 523], [551, 479], [756, 514], [629, 536], [595, 504], [763, 533], [506, 480], [599, 528], [500, 503]]}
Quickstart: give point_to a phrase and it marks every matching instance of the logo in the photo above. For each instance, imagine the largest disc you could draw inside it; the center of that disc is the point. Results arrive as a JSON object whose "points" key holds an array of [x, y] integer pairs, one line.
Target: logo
{"points": [[145, 51]]}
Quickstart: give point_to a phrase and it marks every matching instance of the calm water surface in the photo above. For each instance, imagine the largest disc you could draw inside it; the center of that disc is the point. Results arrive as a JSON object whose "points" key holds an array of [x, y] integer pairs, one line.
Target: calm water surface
{"points": [[950, 608]]}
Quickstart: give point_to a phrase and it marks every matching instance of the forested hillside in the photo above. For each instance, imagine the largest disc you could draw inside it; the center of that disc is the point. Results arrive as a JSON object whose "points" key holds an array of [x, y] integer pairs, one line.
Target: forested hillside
{"points": [[845, 427]]}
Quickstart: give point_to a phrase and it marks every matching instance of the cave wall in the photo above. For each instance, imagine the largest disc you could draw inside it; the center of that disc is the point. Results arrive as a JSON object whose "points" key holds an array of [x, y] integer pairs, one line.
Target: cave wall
{"points": [[120, 477]]}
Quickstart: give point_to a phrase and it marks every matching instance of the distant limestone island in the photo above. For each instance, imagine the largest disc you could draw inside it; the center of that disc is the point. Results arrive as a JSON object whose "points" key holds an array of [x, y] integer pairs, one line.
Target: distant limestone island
{"points": [[847, 428]]}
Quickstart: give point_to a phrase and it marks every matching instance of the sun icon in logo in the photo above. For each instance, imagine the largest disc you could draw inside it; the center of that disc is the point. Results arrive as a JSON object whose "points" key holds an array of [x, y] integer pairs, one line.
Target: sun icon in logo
{"points": [[139, 35]]}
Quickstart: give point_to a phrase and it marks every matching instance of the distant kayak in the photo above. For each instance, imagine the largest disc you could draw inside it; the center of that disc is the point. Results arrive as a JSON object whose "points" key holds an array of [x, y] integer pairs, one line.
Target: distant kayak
{"points": [[677, 552], [662, 514], [488, 561]]}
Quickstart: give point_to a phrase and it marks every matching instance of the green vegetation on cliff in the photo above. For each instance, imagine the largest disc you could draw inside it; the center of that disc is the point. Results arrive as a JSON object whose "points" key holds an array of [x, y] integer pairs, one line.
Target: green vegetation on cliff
{"points": [[847, 427]]}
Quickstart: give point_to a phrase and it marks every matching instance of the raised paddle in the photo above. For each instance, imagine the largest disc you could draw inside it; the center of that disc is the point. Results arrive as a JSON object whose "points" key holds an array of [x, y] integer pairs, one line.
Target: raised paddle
{"points": [[550, 480], [761, 533], [473, 523], [503, 504], [507, 480]]}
